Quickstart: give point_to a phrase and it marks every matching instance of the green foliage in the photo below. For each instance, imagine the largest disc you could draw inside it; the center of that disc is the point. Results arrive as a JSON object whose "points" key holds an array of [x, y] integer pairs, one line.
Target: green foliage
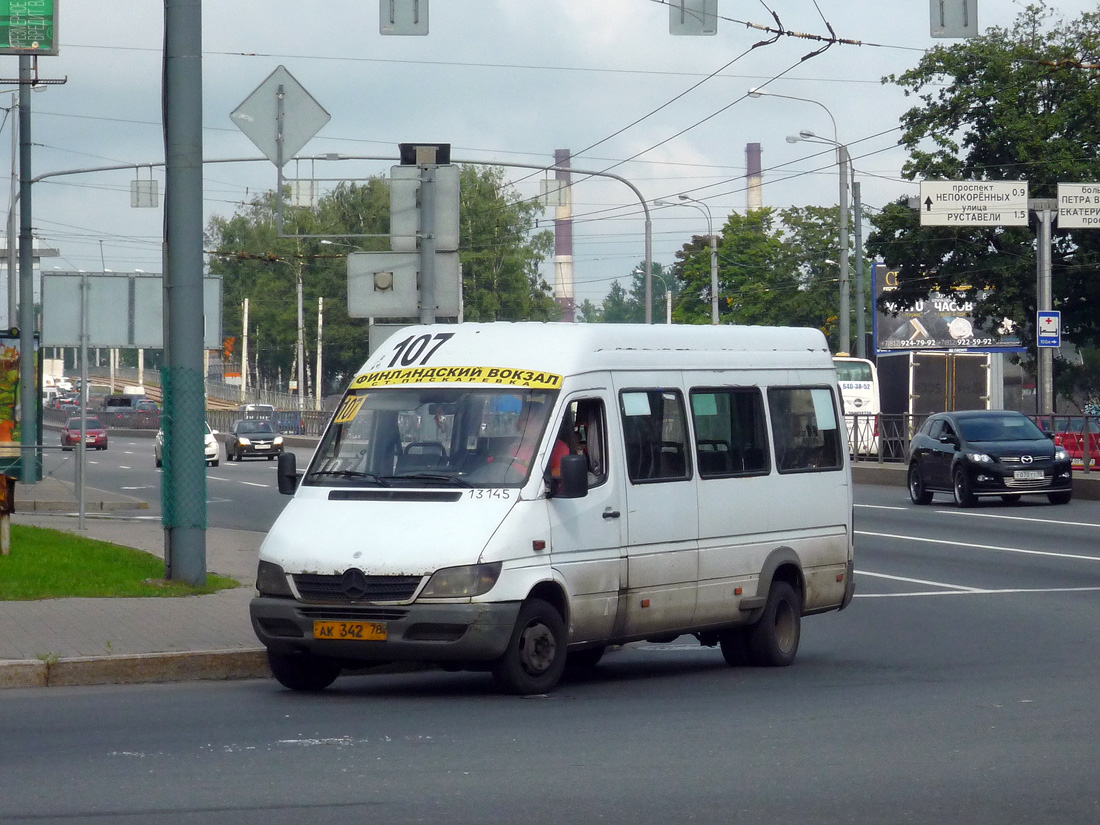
{"points": [[51, 564], [1013, 104], [499, 253]]}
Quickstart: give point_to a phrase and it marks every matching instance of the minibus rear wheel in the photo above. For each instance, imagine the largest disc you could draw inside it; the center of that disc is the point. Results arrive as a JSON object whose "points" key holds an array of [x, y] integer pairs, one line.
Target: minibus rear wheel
{"points": [[773, 641], [535, 657], [302, 671]]}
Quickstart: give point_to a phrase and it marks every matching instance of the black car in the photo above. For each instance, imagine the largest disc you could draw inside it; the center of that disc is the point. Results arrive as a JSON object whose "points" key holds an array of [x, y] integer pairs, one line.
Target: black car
{"points": [[252, 437], [986, 453]]}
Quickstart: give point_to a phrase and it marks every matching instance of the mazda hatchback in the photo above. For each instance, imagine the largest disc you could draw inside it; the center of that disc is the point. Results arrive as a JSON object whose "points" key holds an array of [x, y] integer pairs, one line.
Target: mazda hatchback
{"points": [[976, 453]]}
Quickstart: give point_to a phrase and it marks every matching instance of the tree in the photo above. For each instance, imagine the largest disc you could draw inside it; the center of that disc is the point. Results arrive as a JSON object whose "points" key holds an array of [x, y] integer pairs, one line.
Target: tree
{"points": [[1013, 104], [499, 253]]}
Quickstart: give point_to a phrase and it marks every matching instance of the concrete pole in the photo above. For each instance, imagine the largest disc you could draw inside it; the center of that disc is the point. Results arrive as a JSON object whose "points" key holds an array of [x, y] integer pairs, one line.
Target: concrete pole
{"points": [[301, 351], [320, 321], [861, 296], [844, 336], [427, 241], [713, 277], [1044, 301], [244, 353], [28, 398], [184, 482]]}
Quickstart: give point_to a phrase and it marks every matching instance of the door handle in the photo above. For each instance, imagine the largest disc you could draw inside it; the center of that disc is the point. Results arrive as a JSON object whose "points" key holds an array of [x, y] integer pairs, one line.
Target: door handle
{"points": [[611, 513]]}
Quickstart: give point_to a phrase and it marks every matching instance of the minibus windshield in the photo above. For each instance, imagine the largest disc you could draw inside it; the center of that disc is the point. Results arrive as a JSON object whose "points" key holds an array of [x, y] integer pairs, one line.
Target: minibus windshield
{"points": [[421, 435]]}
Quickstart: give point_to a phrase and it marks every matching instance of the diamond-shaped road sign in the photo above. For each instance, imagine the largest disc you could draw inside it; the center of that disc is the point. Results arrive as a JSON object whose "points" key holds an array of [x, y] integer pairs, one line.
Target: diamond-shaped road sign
{"points": [[258, 116]]}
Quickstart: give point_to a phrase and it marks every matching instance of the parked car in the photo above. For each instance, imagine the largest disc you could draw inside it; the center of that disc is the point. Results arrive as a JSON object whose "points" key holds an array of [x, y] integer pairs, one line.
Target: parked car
{"points": [[94, 434], [252, 437], [979, 453], [147, 405], [210, 447]]}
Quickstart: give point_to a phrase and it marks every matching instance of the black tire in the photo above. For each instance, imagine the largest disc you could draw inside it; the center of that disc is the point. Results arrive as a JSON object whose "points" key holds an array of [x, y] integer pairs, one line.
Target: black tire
{"points": [[214, 463], [961, 488], [156, 461], [585, 659], [735, 646], [1060, 497], [302, 672], [773, 641], [536, 654], [917, 491]]}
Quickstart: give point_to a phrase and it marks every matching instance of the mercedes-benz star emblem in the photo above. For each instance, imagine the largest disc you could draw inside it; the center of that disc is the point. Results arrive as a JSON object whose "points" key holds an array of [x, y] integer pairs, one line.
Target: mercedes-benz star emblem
{"points": [[1026, 459], [354, 583]]}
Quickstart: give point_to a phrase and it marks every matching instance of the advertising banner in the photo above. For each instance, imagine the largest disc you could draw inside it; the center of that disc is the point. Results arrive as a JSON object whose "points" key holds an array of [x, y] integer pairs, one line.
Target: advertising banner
{"points": [[942, 321], [28, 26]]}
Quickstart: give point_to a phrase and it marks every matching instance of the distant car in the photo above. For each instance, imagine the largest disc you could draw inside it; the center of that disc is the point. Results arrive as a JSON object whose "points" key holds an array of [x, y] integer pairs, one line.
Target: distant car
{"points": [[986, 453], [252, 437], [210, 447], [94, 434], [146, 405]]}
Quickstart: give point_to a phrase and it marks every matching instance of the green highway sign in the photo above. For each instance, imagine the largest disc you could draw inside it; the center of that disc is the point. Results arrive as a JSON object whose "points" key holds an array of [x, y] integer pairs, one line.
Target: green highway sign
{"points": [[28, 26]]}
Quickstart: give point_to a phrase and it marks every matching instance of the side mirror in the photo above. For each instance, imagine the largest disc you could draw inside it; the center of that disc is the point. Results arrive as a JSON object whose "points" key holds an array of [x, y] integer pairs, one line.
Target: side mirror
{"points": [[288, 473], [574, 477], [949, 439]]}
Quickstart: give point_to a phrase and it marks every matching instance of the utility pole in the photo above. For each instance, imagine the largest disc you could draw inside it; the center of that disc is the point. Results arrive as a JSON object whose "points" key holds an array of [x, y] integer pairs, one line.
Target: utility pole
{"points": [[28, 404]]}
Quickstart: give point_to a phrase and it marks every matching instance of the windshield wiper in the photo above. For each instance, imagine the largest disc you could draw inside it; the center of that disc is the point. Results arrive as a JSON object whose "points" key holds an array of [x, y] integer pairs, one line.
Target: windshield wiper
{"points": [[447, 479], [371, 477]]}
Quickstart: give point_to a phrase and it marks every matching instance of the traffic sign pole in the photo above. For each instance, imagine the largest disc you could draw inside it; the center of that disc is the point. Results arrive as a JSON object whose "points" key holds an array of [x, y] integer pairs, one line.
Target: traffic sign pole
{"points": [[1045, 209]]}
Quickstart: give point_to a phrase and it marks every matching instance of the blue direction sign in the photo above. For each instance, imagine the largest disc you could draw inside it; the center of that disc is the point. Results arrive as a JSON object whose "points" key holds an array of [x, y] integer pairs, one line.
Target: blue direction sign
{"points": [[1049, 328]]}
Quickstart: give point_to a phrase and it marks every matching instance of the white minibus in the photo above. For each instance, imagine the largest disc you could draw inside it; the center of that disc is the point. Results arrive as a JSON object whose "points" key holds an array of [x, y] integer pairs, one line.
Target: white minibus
{"points": [[519, 497]]}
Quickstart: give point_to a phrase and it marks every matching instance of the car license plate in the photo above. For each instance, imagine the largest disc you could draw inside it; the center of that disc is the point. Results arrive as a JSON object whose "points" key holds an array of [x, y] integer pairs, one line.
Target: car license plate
{"points": [[1028, 475], [263, 446], [359, 631]]}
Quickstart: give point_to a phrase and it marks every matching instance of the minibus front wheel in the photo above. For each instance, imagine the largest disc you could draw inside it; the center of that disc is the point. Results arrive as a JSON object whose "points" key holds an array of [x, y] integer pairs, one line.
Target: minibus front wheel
{"points": [[302, 671], [535, 657]]}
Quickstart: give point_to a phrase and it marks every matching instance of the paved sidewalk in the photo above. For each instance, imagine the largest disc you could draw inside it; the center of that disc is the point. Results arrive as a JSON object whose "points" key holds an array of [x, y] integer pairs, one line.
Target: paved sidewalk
{"points": [[97, 641]]}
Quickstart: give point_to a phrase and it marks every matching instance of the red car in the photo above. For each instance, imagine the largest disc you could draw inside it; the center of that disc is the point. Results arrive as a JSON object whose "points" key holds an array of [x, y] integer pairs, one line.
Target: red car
{"points": [[95, 435]]}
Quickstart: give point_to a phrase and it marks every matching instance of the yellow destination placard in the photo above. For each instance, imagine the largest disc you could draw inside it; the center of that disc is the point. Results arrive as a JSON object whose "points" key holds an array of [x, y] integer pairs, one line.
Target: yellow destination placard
{"points": [[459, 375]]}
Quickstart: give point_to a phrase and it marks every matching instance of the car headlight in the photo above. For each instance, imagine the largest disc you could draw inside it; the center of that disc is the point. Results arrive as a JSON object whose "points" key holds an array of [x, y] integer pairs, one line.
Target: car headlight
{"points": [[244, 442], [1061, 455], [980, 458], [278, 440], [462, 582], [271, 580]]}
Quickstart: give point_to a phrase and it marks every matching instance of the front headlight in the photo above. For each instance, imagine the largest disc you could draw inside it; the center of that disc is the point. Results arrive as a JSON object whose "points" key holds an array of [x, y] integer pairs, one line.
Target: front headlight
{"points": [[244, 442], [271, 580], [1061, 455], [462, 582], [980, 458]]}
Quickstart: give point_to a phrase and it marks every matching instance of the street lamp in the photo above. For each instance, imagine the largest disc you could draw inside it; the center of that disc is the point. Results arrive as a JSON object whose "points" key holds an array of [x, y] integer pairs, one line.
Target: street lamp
{"points": [[668, 292], [843, 161], [705, 209]]}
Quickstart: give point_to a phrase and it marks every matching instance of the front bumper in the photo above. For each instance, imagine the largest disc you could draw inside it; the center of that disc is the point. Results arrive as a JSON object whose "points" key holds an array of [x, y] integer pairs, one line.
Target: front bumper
{"points": [[990, 480], [438, 633]]}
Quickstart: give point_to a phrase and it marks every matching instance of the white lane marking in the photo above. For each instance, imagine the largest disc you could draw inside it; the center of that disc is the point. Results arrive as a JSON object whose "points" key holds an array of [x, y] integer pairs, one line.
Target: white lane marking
{"points": [[137, 488], [238, 481], [124, 467], [979, 546], [1019, 518], [958, 587], [1009, 590], [986, 515]]}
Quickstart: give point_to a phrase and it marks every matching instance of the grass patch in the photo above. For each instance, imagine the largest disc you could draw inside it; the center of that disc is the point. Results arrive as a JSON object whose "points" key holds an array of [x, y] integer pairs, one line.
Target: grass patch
{"points": [[53, 564]]}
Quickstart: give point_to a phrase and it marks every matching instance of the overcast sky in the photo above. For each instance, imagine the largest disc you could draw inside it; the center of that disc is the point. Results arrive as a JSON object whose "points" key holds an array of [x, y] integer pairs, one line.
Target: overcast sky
{"points": [[507, 81]]}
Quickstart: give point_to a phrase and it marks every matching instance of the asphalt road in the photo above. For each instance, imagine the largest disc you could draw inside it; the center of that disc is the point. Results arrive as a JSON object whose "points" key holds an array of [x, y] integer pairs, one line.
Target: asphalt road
{"points": [[240, 495], [959, 687]]}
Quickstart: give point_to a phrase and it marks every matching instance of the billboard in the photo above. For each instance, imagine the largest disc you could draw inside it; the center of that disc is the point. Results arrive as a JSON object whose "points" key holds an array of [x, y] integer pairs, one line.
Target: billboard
{"points": [[942, 321], [28, 26]]}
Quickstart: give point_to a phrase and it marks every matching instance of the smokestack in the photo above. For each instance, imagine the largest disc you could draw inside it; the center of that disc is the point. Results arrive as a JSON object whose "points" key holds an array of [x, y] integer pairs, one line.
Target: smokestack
{"points": [[755, 176], [563, 239]]}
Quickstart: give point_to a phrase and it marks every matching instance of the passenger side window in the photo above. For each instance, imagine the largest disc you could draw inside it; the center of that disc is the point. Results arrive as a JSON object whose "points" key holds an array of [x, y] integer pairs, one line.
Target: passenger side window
{"points": [[655, 435], [730, 433], [805, 429]]}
